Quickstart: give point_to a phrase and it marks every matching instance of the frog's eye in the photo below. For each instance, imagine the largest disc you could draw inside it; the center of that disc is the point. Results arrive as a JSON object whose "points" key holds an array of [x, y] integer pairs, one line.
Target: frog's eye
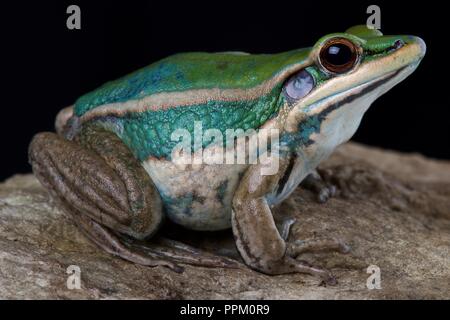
{"points": [[299, 85], [338, 55]]}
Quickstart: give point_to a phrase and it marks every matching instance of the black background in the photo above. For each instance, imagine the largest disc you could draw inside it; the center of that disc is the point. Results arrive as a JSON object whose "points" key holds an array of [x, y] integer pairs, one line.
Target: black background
{"points": [[46, 67]]}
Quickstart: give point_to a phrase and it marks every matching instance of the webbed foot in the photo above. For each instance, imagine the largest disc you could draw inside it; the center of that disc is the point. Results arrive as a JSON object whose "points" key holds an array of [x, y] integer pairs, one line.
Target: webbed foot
{"points": [[298, 247]]}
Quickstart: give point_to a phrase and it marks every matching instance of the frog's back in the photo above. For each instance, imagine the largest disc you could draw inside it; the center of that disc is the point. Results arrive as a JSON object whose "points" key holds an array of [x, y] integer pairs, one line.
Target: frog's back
{"points": [[191, 71], [222, 90]]}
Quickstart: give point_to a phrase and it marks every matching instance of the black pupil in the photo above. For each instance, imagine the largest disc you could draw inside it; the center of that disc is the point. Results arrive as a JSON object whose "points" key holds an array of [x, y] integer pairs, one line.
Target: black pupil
{"points": [[338, 54]]}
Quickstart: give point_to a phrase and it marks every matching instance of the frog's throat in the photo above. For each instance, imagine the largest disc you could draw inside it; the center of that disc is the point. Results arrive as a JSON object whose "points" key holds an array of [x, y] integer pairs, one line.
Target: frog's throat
{"points": [[167, 100]]}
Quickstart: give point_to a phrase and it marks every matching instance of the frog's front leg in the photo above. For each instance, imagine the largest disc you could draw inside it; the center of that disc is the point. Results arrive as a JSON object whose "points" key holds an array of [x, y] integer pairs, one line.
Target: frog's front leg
{"points": [[256, 234], [108, 194]]}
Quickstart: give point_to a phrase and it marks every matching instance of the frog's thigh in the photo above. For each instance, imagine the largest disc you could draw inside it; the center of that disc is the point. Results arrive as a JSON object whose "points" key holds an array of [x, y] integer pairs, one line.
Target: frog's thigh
{"points": [[101, 185], [98, 176]]}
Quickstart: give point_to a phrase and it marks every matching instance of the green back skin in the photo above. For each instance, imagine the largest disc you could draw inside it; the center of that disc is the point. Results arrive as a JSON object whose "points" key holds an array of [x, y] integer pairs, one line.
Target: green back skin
{"points": [[188, 71], [148, 133]]}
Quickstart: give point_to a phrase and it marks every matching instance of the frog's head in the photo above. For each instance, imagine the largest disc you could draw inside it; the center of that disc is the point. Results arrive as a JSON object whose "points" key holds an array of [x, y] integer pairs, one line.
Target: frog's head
{"points": [[345, 74]]}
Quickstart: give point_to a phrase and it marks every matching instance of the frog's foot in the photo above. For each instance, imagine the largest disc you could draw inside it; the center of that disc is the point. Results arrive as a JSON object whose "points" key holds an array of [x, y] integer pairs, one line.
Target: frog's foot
{"points": [[297, 247], [262, 245], [316, 184], [285, 227], [115, 245], [291, 265], [162, 252], [317, 244], [183, 253]]}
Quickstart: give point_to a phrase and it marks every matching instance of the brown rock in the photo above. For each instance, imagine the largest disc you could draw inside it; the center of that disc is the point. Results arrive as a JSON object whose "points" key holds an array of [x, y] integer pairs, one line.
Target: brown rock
{"points": [[393, 209]]}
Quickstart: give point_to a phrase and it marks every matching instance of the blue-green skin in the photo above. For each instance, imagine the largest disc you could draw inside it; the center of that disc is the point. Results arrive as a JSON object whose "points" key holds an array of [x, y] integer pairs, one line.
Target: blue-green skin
{"points": [[148, 133]]}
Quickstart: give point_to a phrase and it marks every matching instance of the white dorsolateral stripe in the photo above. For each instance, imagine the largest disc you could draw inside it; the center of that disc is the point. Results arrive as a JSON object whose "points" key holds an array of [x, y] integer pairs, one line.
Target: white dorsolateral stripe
{"points": [[166, 100]]}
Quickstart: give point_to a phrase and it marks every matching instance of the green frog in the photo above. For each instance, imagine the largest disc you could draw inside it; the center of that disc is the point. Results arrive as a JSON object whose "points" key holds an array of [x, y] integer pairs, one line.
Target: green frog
{"points": [[112, 163]]}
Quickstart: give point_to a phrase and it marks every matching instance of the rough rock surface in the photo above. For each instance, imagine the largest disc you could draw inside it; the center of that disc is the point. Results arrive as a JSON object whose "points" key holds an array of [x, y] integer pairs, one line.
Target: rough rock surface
{"points": [[393, 209]]}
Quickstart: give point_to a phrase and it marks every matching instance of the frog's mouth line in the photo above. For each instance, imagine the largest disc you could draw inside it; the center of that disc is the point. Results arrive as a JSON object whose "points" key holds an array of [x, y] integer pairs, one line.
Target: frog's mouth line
{"points": [[332, 102], [359, 91]]}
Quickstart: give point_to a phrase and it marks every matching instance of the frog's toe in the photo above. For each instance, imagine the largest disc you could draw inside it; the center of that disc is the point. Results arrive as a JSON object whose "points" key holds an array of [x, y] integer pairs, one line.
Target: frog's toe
{"points": [[120, 246], [317, 244], [183, 253], [321, 188], [326, 276], [325, 193], [291, 265], [285, 227]]}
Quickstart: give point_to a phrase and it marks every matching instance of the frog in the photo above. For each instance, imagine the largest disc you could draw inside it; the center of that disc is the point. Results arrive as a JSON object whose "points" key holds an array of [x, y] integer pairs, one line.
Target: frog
{"points": [[111, 162]]}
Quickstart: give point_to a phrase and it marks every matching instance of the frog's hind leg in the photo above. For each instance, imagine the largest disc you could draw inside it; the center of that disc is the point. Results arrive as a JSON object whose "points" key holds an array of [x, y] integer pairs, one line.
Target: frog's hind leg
{"points": [[106, 191], [113, 244], [162, 252], [298, 247], [183, 253]]}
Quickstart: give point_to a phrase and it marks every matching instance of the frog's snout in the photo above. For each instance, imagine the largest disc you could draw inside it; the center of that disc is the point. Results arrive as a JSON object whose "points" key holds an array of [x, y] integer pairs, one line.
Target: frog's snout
{"points": [[409, 54], [423, 46]]}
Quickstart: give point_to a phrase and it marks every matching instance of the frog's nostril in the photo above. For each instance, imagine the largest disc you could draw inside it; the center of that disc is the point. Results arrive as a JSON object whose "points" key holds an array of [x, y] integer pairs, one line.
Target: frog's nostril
{"points": [[398, 44]]}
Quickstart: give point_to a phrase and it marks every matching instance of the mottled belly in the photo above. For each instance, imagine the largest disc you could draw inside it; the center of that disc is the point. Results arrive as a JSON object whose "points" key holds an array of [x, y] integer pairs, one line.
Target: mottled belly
{"points": [[197, 197]]}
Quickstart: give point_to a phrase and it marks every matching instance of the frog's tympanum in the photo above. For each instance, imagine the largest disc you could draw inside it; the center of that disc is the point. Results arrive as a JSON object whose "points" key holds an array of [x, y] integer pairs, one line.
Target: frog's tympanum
{"points": [[111, 165]]}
